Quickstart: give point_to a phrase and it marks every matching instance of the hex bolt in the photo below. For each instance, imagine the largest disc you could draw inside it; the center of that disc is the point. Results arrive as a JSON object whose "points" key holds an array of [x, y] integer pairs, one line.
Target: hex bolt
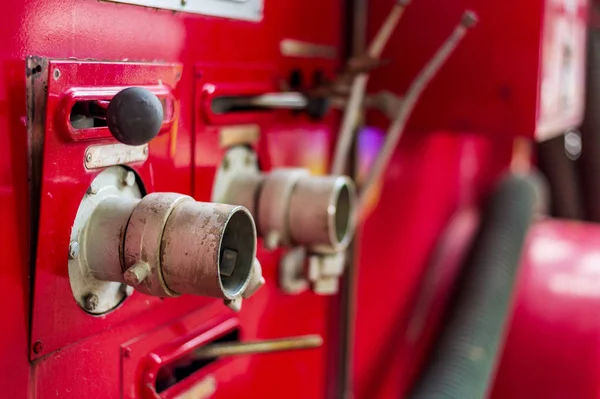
{"points": [[73, 250], [91, 302], [127, 352], [38, 347], [228, 262], [136, 274], [129, 179]]}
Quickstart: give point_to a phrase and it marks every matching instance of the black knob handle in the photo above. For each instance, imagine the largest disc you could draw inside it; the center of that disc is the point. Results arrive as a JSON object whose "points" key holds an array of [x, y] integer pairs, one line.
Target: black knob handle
{"points": [[134, 116]]}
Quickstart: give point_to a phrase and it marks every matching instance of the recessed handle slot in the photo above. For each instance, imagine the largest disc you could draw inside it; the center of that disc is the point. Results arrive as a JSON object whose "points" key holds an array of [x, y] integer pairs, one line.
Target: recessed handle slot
{"points": [[173, 372], [84, 111]]}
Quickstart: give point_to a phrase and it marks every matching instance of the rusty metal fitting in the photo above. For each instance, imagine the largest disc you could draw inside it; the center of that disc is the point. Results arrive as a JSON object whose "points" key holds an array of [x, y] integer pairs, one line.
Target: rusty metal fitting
{"points": [[317, 212], [321, 212], [291, 207], [144, 237], [105, 231], [273, 205], [164, 245], [208, 249], [191, 247]]}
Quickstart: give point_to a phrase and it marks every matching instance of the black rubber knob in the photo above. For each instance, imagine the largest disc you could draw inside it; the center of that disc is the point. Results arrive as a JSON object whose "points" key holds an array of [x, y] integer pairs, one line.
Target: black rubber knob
{"points": [[134, 116]]}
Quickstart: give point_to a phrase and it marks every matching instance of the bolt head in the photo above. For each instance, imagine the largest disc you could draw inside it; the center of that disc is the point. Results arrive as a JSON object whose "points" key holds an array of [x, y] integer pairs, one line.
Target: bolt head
{"points": [[91, 302], [38, 347], [73, 250], [88, 157], [127, 352]]}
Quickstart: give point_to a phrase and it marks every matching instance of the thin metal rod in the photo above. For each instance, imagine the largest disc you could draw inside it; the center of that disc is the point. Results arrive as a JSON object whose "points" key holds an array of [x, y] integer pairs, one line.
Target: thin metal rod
{"points": [[254, 347], [410, 100], [385, 31], [289, 100], [358, 89]]}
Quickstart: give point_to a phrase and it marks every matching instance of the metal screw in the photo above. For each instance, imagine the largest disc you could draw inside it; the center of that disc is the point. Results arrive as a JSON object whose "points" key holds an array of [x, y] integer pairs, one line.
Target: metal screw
{"points": [[88, 157], [146, 150], [56, 74], [73, 250], [126, 352], [129, 179], [38, 347], [91, 302]]}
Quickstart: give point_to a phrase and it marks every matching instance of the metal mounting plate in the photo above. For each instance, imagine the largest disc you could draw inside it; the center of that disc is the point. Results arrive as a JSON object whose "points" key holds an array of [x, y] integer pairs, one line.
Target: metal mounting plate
{"points": [[249, 10], [106, 295]]}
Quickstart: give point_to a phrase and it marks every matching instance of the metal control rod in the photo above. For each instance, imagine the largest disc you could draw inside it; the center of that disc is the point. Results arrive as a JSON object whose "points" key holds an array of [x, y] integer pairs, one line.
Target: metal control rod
{"points": [[359, 87], [395, 131], [290, 100], [251, 348]]}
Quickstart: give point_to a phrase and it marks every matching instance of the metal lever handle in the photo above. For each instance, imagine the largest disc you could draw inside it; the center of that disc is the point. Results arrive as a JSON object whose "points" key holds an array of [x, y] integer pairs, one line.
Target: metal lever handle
{"points": [[315, 106], [291, 100], [251, 348]]}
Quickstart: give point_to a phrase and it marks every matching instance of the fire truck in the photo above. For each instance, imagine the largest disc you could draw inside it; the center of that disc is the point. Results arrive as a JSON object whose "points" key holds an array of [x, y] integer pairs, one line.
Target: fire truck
{"points": [[300, 199]]}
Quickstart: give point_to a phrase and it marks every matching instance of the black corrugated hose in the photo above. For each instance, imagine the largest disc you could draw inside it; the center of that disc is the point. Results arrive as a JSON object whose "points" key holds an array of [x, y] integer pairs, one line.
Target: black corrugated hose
{"points": [[463, 360]]}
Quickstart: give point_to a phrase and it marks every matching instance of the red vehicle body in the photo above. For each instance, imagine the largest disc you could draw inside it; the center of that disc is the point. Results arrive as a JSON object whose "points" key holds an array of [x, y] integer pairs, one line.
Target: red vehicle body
{"points": [[459, 141]]}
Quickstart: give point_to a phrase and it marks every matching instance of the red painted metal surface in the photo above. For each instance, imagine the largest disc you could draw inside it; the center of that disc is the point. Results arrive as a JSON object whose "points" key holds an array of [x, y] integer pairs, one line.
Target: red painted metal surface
{"points": [[552, 350], [396, 269], [491, 87], [422, 222], [64, 183], [91, 367], [492, 83]]}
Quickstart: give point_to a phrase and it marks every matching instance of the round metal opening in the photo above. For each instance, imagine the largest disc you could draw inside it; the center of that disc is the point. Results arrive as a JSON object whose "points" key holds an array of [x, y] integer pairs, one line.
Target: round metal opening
{"points": [[343, 212], [237, 252]]}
